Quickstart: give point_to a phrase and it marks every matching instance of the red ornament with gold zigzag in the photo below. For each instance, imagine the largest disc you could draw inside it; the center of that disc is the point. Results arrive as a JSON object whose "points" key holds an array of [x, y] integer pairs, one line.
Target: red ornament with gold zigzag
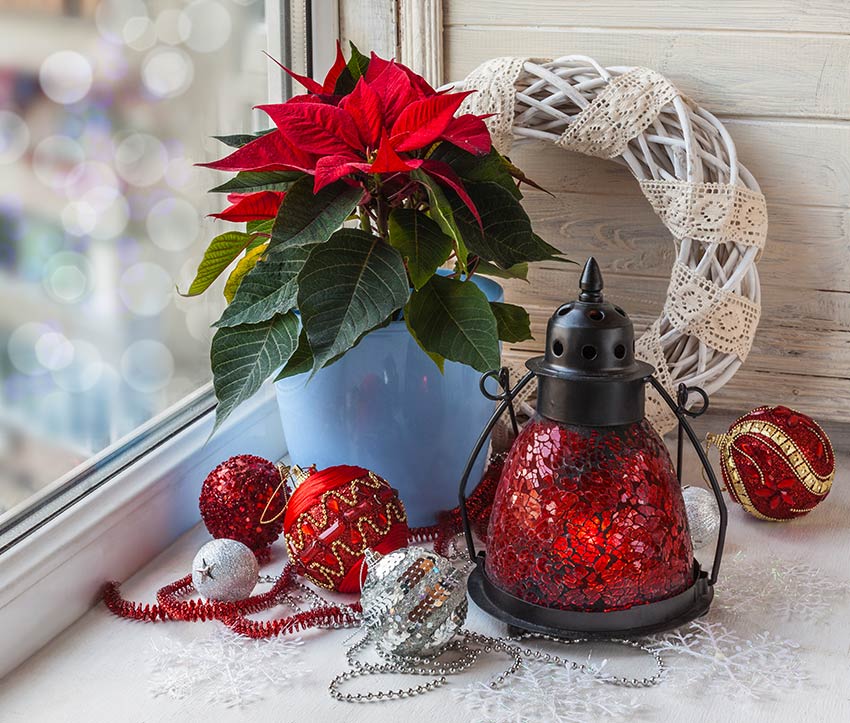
{"points": [[331, 519]]}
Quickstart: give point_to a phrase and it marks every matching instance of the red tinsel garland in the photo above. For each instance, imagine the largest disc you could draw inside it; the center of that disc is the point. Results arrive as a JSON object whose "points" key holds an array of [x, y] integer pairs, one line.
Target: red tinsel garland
{"points": [[233, 614]]}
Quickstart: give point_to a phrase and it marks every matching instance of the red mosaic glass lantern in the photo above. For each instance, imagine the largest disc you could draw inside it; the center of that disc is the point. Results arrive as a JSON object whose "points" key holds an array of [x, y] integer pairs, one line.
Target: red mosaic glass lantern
{"points": [[588, 532]]}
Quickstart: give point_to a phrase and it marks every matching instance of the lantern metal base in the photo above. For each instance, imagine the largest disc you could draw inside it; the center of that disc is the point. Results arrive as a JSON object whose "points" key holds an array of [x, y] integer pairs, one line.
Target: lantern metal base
{"points": [[636, 621]]}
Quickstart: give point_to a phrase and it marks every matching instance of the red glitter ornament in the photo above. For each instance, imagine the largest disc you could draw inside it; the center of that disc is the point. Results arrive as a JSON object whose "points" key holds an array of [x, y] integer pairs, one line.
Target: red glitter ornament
{"points": [[235, 495], [589, 519], [776, 462], [334, 516]]}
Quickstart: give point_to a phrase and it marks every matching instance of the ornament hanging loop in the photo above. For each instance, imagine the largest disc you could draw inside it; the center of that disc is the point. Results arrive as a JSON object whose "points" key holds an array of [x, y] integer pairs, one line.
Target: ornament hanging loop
{"points": [[283, 488]]}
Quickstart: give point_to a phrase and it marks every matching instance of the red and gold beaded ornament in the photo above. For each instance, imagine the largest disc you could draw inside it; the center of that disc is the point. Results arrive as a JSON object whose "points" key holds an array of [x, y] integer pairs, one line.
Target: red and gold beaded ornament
{"points": [[777, 463], [588, 532], [234, 498], [333, 516]]}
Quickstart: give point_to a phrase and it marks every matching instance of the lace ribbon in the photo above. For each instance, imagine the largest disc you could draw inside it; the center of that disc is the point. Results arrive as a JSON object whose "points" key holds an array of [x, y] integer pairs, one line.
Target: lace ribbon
{"points": [[648, 348], [709, 212], [627, 107], [495, 80], [720, 319]]}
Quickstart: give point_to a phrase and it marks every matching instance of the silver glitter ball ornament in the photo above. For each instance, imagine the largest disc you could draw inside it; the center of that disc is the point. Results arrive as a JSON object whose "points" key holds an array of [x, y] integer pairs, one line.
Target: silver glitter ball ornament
{"points": [[414, 601], [703, 515], [225, 570]]}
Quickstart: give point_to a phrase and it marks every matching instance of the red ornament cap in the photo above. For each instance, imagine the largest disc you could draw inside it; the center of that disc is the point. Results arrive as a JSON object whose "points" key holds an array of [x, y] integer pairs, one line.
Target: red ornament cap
{"points": [[234, 497], [777, 463], [334, 516]]}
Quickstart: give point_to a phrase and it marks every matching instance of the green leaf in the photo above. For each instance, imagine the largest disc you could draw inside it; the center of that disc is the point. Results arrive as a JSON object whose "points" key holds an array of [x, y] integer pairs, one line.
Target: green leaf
{"points": [[421, 242], [354, 69], [453, 319], [517, 271], [358, 63], [345, 83], [240, 139], [508, 238], [258, 240], [263, 226], [305, 218], [492, 167], [221, 252], [249, 181], [440, 361], [348, 286], [270, 288], [520, 176], [246, 263], [243, 357], [512, 322], [301, 360], [441, 211]]}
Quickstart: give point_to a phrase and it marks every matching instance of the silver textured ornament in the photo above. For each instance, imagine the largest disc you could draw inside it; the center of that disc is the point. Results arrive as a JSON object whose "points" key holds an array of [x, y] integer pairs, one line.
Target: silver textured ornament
{"points": [[703, 515], [414, 601], [225, 570]]}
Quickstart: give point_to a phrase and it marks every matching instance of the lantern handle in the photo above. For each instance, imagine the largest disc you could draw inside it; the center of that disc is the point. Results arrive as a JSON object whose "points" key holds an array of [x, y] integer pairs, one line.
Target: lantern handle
{"points": [[507, 397], [682, 415], [683, 393]]}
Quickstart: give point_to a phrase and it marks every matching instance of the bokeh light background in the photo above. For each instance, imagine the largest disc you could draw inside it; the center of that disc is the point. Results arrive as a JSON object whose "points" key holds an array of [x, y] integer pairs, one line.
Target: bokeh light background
{"points": [[104, 108]]}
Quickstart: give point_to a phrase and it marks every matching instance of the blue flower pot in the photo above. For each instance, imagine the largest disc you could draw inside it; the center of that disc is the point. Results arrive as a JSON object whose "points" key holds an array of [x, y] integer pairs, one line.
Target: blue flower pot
{"points": [[386, 407]]}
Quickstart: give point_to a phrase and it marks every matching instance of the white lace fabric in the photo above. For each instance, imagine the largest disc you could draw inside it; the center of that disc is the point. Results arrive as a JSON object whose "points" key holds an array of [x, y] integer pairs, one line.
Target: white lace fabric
{"points": [[720, 319], [709, 212], [648, 348], [627, 107], [495, 80]]}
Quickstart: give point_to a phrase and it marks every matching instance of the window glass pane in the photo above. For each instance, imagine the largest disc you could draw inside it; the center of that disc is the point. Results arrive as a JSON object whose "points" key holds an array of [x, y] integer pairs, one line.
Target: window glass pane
{"points": [[104, 108]]}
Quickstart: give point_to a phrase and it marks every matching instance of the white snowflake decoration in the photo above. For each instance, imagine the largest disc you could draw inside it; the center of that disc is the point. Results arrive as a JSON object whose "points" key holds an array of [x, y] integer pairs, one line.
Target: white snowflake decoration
{"points": [[711, 655], [224, 668], [777, 589], [542, 692]]}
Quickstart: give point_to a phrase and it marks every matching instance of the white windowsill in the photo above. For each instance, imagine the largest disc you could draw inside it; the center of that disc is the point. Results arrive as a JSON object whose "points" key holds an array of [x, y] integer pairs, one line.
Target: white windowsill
{"points": [[51, 578], [100, 668]]}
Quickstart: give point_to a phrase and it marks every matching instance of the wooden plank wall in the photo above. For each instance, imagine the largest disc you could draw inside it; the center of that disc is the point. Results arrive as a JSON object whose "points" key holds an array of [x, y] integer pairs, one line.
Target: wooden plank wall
{"points": [[778, 72]]}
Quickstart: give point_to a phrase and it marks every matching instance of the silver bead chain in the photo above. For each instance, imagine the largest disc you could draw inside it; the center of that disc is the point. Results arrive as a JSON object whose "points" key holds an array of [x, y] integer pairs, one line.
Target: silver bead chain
{"points": [[305, 595], [473, 645], [646, 682], [400, 665]]}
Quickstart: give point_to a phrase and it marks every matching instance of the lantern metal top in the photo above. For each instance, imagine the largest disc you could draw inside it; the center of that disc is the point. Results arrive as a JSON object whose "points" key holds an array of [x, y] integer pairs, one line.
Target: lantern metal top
{"points": [[588, 374]]}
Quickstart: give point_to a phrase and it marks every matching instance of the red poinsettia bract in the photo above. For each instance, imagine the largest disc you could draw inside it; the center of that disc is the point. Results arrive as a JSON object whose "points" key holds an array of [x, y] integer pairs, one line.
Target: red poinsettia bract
{"points": [[384, 126], [258, 206]]}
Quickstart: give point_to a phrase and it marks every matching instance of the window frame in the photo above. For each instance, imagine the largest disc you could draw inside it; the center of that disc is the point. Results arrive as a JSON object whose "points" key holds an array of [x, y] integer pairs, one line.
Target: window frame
{"points": [[113, 514], [59, 496]]}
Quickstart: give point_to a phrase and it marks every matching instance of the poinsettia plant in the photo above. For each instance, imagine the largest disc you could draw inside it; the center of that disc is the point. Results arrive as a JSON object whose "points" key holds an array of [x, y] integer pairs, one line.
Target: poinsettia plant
{"points": [[366, 186]]}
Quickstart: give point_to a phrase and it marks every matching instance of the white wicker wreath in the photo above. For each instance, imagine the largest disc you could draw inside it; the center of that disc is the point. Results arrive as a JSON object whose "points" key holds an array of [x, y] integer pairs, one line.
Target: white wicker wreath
{"points": [[687, 167]]}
